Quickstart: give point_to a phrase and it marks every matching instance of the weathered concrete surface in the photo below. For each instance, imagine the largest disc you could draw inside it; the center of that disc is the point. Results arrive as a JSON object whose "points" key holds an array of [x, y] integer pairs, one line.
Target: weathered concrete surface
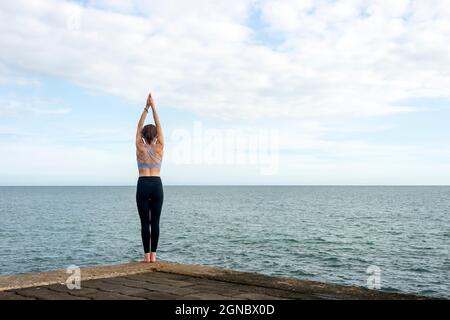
{"points": [[172, 281]]}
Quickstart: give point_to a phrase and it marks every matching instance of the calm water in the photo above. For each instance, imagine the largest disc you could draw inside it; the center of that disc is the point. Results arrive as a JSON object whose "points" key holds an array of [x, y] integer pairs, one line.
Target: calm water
{"points": [[328, 234]]}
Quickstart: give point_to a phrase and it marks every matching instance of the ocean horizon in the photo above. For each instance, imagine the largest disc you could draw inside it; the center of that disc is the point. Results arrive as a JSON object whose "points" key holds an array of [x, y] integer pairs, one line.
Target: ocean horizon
{"points": [[328, 233], [237, 185]]}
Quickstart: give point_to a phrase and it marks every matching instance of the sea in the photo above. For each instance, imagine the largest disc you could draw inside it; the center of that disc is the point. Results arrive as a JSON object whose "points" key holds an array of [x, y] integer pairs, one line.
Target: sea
{"points": [[391, 238]]}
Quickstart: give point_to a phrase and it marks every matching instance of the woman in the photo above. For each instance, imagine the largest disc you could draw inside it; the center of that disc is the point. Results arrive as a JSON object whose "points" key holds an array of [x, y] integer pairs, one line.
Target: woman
{"points": [[149, 193]]}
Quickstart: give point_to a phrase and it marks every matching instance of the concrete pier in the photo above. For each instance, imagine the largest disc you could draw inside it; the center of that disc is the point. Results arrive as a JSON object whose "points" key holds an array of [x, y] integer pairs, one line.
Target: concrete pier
{"points": [[173, 281]]}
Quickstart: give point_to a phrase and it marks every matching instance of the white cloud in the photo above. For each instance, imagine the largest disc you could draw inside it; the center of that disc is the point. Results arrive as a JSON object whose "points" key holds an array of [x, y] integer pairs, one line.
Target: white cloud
{"points": [[35, 106], [9, 77], [353, 57], [53, 163]]}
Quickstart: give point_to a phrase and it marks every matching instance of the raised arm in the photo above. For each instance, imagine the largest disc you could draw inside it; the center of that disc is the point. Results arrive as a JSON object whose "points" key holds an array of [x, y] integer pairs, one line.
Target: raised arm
{"points": [[139, 141], [159, 131]]}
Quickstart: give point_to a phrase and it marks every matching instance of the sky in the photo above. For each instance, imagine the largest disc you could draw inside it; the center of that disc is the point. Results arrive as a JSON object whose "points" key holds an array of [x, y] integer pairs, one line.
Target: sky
{"points": [[252, 92]]}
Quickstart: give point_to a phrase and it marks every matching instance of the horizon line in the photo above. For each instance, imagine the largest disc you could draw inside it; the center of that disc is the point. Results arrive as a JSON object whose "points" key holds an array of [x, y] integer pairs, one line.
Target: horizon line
{"points": [[241, 185]]}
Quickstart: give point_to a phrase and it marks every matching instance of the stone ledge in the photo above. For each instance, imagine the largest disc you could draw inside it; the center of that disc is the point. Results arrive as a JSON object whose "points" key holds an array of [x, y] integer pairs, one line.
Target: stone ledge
{"points": [[308, 288]]}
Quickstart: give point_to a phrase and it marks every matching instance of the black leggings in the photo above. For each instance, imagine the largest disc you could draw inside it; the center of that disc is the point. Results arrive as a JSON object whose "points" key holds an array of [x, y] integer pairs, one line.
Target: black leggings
{"points": [[149, 199]]}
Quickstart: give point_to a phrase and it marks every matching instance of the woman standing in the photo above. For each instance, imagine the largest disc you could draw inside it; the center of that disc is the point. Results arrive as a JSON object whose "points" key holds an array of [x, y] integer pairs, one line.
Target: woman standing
{"points": [[149, 192]]}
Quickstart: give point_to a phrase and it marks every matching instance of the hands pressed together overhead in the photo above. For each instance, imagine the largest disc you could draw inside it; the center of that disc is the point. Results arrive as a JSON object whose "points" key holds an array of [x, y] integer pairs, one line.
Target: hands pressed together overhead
{"points": [[150, 101]]}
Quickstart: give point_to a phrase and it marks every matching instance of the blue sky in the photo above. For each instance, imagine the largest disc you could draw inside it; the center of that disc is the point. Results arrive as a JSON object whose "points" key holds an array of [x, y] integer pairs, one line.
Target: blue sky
{"points": [[249, 92]]}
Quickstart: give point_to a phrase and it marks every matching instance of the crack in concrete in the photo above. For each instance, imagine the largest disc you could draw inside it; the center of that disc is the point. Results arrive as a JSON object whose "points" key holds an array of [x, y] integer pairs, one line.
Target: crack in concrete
{"points": [[69, 293]]}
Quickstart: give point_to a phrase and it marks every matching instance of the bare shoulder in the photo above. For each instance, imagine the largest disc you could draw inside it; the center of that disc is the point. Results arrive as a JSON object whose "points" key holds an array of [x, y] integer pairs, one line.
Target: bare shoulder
{"points": [[140, 146], [159, 147]]}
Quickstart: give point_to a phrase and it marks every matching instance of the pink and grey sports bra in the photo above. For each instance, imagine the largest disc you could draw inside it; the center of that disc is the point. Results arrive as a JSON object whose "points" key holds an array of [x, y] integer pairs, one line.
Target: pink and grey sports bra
{"points": [[150, 156]]}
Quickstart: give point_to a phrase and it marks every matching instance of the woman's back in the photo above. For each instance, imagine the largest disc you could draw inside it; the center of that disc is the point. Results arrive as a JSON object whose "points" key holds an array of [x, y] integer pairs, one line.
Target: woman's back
{"points": [[149, 158]]}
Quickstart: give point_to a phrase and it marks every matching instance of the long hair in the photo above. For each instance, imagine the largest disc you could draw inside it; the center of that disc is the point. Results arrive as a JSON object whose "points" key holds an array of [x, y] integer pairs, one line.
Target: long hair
{"points": [[149, 133]]}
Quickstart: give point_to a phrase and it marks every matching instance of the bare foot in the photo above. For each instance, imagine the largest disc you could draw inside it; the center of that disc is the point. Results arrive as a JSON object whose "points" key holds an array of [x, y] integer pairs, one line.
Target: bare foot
{"points": [[153, 257], [146, 257]]}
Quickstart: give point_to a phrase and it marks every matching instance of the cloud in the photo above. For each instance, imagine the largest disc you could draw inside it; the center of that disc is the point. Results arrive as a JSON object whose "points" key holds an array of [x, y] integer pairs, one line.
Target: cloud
{"points": [[337, 58], [54, 163], [36, 106], [10, 77]]}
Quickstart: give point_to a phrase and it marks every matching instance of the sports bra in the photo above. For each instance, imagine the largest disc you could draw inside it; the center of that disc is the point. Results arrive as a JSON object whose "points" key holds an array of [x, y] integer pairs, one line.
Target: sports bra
{"points": [[150, 153]]}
